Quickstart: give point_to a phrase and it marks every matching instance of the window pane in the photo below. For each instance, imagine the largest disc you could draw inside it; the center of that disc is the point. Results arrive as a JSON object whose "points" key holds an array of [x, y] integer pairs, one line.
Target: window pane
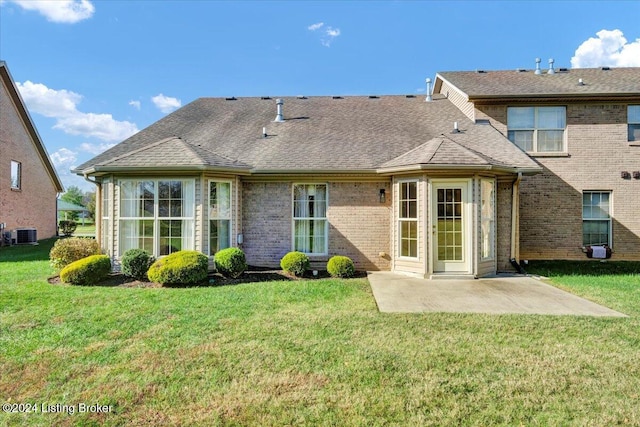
{"points": [[522, 139], [16, 173], [550, 140], [596, 218], [633, 114], [634, 132], [310, 209], [551, 118], [520, 117]]}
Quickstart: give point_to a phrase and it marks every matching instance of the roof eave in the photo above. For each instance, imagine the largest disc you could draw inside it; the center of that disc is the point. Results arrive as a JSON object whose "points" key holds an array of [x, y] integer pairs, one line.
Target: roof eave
{"points": [[449, 167], [98, 169], [551, 97], [311, 171]]}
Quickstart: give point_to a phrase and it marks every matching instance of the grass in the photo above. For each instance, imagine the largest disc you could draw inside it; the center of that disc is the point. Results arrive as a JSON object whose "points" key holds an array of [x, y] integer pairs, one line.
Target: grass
{"points": [[307, 353]]}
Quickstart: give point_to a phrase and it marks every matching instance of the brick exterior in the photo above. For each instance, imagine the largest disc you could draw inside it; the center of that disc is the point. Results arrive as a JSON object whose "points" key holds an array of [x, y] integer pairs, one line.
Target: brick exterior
{"points": [[358, 223], [551, 203], [34, 205]]}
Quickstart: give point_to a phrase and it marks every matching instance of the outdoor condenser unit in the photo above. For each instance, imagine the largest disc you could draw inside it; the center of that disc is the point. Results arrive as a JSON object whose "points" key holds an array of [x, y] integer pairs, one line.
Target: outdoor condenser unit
{"points": [[24, 236]]}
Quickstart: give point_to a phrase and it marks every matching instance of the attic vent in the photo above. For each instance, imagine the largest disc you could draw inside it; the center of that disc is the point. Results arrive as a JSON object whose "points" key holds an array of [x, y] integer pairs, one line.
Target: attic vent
{"points": [[409, 96], [265, 97], [521, 70], [301, 97], [233, 98], [563, 70], [605, 68], [374, 97], [336, 97], [481, 71]]}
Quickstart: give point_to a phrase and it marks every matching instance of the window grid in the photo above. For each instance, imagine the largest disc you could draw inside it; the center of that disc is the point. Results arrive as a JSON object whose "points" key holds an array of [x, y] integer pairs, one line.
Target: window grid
{"points": [[487, 208], [310, 225], [537, 129], [219, 216], [408, 219], [596, 218]]}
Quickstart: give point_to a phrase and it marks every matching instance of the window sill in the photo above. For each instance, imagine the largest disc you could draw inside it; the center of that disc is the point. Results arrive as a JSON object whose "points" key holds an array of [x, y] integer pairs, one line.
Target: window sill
{"points": [[18, 190], [634, 143], [550, 154]]}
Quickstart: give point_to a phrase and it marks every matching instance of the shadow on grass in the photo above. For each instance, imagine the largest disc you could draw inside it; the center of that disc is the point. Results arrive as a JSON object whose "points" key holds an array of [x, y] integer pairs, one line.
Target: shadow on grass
{"points": [[583, 268], [18, 253]]}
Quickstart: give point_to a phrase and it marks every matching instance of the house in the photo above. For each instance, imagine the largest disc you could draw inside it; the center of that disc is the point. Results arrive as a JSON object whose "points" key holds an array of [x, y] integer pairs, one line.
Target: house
{"points": [[29, 184], [442, 186]]}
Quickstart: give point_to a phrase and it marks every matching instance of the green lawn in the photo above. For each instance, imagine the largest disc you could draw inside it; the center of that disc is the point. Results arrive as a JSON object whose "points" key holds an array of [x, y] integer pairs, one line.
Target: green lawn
{"points": [[307, 353]]}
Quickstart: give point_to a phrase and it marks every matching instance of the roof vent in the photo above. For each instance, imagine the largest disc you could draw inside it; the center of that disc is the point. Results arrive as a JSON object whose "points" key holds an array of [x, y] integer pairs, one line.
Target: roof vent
{"points": [[551, 70], [279, 116], [374, 97], [606, 68], [521, 70], [336, 97], [409, 96], [429, 97], [538, 71], [301, 97], [580, 82], [481, 71], [233, 98], [456, 129], [563, 70], [265, 97]]}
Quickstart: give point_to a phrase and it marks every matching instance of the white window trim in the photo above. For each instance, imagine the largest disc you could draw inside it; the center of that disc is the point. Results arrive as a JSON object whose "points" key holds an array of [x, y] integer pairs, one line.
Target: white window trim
{"points": [[534, 151], [401, 220], [107, 196], [155, 218], [610, 219], [629, 123], [325, 218], [18, 185], [231, 211]]}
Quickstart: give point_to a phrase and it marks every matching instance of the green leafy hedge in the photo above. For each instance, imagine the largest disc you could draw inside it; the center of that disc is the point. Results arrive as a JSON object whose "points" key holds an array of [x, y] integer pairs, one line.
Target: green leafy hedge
{"points": [[87, 271], [66, 251], [295, 263], [230, 262], [67, 227], [136, 263], [180, 268], [341, 266]]}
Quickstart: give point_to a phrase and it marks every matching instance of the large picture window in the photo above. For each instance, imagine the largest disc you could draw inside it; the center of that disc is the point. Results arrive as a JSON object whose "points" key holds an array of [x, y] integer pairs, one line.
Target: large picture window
{"points": [[488, 212], [408, 219], [157, 215], [537, 129], [310, 227], [633, 118], [596, 218], [219, 216]]}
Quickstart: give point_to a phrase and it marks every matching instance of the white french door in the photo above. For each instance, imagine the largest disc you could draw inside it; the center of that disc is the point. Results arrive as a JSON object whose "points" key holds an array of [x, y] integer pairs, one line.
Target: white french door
{"points": [[450, 226]]}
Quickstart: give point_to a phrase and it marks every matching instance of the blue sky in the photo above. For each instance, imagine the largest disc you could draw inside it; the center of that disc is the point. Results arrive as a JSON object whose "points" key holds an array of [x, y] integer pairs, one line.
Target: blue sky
{"points": [[94, 72]]}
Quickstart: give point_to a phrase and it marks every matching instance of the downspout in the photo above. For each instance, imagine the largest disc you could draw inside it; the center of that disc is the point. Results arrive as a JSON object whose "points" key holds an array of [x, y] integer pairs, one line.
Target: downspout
{"points": [[97, 220], [515, 225]]}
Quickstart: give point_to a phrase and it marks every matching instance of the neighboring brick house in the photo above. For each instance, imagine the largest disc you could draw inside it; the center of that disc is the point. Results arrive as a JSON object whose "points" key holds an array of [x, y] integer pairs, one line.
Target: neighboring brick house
{"points": [[29, 184], [396, 183]]}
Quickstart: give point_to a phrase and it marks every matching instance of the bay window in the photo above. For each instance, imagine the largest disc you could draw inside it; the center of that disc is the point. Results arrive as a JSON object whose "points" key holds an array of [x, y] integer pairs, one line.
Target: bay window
{"points": [[219, 216], [310, 226], [408, 219], [537, 129], [157, 215]]}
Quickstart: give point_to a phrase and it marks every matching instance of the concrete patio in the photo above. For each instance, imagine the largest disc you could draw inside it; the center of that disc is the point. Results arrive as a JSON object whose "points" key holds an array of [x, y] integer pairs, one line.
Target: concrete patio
{"points": [[395, 293]]}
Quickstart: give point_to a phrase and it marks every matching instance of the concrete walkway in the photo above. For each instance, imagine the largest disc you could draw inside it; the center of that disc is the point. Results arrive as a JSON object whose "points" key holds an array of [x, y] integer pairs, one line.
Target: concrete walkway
{"points": [[395, 293]]}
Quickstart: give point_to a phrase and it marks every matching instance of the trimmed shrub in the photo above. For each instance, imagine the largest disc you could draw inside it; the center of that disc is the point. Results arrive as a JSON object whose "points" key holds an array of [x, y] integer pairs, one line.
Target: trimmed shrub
{"points": [[87, 271], [136, 263], [295, 263], [66, 251], [230, 262], [341, 266], [180, 268], [67, 227]]}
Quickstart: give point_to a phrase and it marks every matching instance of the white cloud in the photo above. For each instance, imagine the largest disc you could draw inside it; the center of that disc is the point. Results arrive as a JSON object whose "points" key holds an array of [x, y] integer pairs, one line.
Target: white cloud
{"points": [[62, 105], [314, 27], [61, 11], [610, 48], [328, 35], [64, 158], [135, 104], [166, 104], [331, 32], [95, 149]]}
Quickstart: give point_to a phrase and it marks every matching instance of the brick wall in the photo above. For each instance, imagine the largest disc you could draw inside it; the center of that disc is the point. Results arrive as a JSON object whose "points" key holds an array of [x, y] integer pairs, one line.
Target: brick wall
{"points": [[551, 203], [34, 205], [358, 223]]}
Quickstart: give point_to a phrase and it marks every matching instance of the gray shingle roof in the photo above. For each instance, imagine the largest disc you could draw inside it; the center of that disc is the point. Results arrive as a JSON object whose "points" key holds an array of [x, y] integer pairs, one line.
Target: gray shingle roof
{"points": [[350, 134], [597, 82]]}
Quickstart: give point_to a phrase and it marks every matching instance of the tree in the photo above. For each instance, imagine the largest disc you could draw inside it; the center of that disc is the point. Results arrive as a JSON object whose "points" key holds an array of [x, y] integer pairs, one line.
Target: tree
{"points": [[90, 203], [73, 195]]}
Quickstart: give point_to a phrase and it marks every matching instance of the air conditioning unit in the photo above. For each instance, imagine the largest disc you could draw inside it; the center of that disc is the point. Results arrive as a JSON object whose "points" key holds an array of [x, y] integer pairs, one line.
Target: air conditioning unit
{"points": [[24, 236]]}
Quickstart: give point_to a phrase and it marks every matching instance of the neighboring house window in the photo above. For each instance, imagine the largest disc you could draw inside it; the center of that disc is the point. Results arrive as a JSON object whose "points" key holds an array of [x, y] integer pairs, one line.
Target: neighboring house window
{"points": [[537, 129], [488, 211], [106, 197], [157, 215], [633, 118], [16, 175], [310, 227], [596, 218], [408, 219], [219, 216]]}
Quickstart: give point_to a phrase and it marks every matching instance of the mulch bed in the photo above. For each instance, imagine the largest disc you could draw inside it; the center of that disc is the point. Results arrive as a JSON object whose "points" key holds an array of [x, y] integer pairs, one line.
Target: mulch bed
{"points": [[254, 274]]}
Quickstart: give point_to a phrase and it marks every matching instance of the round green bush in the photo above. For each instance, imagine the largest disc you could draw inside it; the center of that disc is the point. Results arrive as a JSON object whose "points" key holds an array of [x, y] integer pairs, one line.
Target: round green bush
{"points": [[230, 262], [341, 266], [136, 263], [295, 263], [87, 271], [66, 251], [180, 268]]}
